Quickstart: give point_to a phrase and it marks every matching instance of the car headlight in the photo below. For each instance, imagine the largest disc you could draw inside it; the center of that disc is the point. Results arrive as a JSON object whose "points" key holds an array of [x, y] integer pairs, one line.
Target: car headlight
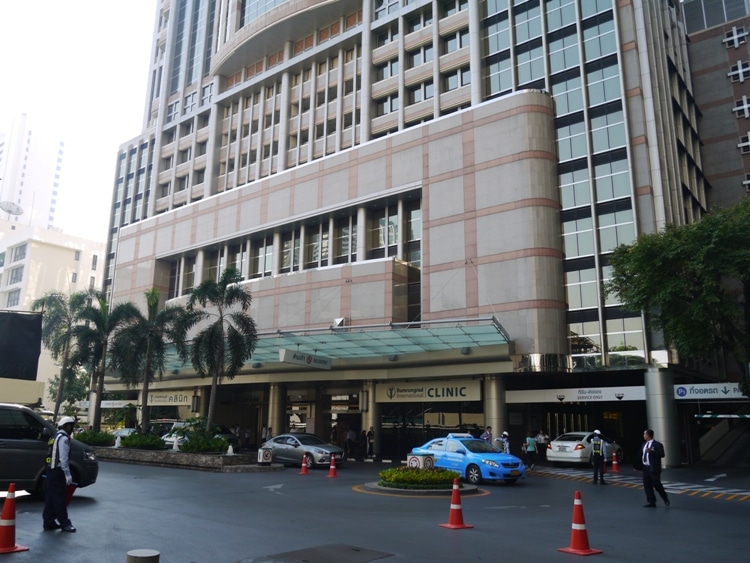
{"points": [[91, 456], [319, 451], [490, 463]]}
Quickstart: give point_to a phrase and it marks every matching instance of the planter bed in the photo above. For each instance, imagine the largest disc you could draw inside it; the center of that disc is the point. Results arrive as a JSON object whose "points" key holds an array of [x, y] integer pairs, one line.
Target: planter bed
{"points": [[221, 463]]}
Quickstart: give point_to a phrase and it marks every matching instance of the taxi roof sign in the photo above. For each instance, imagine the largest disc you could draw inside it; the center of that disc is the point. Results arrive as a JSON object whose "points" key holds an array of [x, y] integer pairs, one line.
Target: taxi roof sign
{"points": [[460, 435]]}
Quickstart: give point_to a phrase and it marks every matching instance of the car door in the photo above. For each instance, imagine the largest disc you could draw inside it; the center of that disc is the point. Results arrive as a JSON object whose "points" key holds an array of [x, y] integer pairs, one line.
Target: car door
{"points": [[23, 447], [454, 459]]}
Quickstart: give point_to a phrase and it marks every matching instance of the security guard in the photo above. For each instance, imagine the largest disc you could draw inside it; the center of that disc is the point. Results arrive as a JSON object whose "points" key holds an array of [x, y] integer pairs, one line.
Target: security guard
{"points": [[504, 442], [598, 456], [58, 478]]}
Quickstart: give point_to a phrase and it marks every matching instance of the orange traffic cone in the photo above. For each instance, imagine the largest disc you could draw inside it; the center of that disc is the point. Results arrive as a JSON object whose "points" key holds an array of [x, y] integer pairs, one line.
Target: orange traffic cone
{"points": [[8, 524], [332, 470], [615, 464], [303, 471], [456, 517], [579, 539]]}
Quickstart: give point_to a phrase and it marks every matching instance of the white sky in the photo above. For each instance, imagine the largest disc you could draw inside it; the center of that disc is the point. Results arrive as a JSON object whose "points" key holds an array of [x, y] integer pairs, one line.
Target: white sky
{"points": [[80, 66]]}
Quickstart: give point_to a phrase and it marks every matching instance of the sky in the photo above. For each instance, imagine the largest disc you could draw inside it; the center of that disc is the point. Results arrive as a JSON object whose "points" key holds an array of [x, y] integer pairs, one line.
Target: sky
{"points": [[79, 69]]}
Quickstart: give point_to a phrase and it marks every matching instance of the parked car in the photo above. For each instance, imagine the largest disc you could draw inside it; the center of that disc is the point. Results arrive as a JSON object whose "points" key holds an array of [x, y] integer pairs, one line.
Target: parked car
{"points": [[123, 432], [175, 434], [290, 449], [575, 447], [24, 437], [476, 460]]}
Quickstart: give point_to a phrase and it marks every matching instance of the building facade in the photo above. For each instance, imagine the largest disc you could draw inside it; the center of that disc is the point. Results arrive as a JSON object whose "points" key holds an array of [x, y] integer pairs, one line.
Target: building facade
{"points": [[34, 261], [31, 168], [383, 166]]}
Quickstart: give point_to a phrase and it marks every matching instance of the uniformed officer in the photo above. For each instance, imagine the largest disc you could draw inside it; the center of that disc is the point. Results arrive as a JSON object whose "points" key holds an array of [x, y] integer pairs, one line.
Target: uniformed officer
{"points": [[598, 456], [58, 478], [504, 440]]}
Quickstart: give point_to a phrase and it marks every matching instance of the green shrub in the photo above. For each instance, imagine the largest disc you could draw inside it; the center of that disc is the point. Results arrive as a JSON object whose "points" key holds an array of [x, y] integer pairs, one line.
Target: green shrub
{"points": [[203, 442], [414, 478], [144, 442], [95, 438]]}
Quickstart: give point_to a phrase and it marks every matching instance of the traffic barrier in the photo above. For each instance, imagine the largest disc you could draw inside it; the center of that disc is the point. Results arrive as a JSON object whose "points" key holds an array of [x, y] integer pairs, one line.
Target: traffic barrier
{"points": [[579, 538], [456, 516], [303, 470], [615, 464], [8, 524], [332, 470]]}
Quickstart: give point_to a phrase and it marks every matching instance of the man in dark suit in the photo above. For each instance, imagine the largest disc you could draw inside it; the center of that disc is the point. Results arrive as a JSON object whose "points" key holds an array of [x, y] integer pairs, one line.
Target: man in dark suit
{"points": [[651, 454]]}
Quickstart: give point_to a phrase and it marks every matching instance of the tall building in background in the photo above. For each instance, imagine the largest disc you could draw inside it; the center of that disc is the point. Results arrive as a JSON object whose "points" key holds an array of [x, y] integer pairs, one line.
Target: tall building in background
{"points": [[720, 67], [444, 178], [31, 165]]}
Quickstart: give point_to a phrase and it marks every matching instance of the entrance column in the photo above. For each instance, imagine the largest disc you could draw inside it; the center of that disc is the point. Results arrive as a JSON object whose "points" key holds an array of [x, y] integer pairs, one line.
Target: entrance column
{"points": [[277, 419], [371, 414], [661, 413], [495, 408]]}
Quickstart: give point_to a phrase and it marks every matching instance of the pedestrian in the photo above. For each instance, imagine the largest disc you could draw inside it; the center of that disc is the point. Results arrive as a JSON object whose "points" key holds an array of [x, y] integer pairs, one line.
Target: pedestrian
{"points": [[363, 443], [55, 513], [487, 435], [371, 442], [351, 441], [530, 448], [541, 445], [651, 454], [598, 457], [504, 440], [263, 435]]}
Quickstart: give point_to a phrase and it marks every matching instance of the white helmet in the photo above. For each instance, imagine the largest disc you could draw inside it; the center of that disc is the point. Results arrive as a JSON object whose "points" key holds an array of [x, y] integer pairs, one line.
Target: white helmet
{"points": [[597, 432], [65, 420], [505, 433]]}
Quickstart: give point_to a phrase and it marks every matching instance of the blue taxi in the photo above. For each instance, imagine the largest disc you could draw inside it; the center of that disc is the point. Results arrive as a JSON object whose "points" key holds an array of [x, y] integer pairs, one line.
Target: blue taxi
{"points": [[476, 460]]}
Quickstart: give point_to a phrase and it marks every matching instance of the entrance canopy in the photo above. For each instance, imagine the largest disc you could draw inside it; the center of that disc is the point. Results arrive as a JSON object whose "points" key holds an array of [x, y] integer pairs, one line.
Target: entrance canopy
{"points": [[368, 341]]}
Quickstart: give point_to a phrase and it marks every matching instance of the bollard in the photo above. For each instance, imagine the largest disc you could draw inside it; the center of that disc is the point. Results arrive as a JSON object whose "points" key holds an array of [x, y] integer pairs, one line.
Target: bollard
{"points": [[142, 556], [118, 442]]}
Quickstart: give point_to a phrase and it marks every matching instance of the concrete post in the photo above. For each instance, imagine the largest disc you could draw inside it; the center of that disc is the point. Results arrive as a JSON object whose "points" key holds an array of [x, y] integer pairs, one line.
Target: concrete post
{"points": [[661, 413]]}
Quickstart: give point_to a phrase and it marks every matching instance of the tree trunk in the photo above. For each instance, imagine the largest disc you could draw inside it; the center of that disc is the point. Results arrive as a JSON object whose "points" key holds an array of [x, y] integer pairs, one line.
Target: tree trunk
{"points": [[214, 387], [63, 373], [145, 419], [97, 422]]}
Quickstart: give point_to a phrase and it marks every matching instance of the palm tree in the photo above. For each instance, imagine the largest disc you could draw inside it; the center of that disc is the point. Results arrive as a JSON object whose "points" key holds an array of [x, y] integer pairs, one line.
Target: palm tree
{"points": [[223, 345], [140, 346], [94, 336], [60, 317]]}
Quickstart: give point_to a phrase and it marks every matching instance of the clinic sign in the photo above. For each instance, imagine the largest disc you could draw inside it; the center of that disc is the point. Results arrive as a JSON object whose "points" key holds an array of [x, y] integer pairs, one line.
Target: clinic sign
{"points": [[170, 399], [431, 391]]}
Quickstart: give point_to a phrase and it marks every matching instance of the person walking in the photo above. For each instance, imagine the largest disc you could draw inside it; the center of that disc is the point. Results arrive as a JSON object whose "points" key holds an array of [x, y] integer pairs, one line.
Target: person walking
{"points": [[487, 435], [598, 457], [371, 442], [541, 445], [651, 454], [504, 440], [55, 514], [530, 449]]}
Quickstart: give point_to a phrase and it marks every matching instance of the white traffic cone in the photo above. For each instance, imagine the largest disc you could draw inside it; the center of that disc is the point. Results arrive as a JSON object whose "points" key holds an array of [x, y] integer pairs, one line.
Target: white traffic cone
{"points": [[230, 450]]}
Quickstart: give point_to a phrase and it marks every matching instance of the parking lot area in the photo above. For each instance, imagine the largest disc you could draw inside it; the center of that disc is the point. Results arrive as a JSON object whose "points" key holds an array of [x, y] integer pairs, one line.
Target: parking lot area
{"points": [[193, 516]]}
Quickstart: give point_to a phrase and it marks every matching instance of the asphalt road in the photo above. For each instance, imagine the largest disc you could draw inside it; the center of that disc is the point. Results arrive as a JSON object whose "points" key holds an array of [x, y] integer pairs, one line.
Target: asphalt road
{"points": [[192, 516]]}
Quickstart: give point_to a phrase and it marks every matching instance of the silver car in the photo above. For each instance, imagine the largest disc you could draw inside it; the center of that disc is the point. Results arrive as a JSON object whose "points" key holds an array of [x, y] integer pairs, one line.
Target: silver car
{"points": [[575, 447], [289, 449]]}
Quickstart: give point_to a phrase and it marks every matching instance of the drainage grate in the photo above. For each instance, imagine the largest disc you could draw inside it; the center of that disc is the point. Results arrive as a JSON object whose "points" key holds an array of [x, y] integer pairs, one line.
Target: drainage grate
{"points": [[331, 553]]}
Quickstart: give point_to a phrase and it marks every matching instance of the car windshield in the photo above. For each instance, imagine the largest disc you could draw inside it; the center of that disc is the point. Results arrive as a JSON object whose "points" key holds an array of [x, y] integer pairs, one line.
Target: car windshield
{"points": [[570, 438], [309, 440], [479, 446]]}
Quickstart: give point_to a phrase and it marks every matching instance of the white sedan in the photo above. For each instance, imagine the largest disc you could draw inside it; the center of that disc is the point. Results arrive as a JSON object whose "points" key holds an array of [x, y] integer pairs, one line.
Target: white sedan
{"points": [[575, 447]]}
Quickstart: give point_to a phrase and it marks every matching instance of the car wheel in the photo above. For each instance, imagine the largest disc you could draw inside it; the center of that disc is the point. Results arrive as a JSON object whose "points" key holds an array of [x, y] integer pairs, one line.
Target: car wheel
{"points": [[309, 461], [474, 475]]}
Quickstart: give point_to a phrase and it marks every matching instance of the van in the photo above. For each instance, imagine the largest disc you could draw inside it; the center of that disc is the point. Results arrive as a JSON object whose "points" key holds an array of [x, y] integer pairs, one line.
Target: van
{"points": [[24, 435]]}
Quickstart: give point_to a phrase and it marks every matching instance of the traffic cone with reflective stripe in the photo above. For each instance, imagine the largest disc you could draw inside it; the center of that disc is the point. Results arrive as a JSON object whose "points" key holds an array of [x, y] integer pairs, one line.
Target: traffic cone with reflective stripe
{"points": [[615, 464], [456, 517], [303, 471], [332, 470], [8, 524], [579, 539]]}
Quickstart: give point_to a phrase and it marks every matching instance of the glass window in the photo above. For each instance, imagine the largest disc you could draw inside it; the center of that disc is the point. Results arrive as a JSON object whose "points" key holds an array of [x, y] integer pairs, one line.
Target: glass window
{"points": [[530, 65], [581, 287], [599, 40], [612, 180], [421, 92], [575, 188], [563, 53], [603, 85], [498, 77], [497, 37], [496, 6], [528, 23], [290, 251], [578, 237], [592, 7], [16, 275], [616, 228], [608, 131], [345, 243], [568, 95], [13, 298], [560, 13], [571, 141], [261, 257]]}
